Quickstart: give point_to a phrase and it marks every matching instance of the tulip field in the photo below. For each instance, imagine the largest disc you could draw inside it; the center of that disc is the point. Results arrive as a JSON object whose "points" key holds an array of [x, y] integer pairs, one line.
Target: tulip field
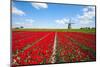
{"points": [[38, 47]]}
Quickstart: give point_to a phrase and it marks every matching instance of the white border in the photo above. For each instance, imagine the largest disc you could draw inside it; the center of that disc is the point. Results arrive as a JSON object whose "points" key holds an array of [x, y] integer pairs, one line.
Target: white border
{"points": [[86, 2], [4, 33]]}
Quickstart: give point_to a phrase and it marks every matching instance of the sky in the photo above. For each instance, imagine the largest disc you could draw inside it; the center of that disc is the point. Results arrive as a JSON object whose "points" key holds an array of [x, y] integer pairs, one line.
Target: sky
{"points": [[50, 15]]}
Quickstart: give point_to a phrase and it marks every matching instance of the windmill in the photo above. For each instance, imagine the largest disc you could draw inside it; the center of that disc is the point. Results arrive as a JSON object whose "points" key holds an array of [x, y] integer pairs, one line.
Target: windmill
{"points": [[69, 24]]}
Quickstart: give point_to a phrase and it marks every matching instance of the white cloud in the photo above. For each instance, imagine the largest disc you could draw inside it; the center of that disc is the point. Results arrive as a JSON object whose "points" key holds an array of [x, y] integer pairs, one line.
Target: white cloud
{"points": [[62, 21], [39, 5], [17, 11], [87, 16]]}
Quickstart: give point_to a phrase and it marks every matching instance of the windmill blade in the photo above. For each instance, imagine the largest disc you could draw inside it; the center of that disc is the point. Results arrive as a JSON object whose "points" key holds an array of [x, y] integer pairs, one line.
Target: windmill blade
{"points": [[72, 23], [69, 23], [66, 23]]}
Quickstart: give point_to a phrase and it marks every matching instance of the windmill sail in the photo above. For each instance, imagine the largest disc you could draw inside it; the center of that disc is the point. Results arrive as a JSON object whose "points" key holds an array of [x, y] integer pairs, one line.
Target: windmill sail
{"points": [[69, 24]]}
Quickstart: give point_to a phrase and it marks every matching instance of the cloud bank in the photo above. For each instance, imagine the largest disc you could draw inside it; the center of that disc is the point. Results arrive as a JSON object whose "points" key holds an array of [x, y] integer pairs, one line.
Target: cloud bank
{"points": [[87, 17]]}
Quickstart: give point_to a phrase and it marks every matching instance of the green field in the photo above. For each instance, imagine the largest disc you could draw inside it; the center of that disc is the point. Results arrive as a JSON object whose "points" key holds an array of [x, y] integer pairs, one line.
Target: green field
{"points": [[59, 30]]}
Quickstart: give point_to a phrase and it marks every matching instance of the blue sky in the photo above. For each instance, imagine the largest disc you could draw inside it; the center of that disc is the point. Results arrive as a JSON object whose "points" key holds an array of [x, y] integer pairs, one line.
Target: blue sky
{"points": [[43, 15]]}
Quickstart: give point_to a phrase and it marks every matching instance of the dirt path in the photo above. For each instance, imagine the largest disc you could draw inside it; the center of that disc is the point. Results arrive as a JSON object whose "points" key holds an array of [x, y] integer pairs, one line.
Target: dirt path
{"points": [[53, 58]]}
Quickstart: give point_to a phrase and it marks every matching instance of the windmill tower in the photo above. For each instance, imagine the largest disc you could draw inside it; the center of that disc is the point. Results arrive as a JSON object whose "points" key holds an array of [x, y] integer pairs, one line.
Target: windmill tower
{"points": [[69, 24]]}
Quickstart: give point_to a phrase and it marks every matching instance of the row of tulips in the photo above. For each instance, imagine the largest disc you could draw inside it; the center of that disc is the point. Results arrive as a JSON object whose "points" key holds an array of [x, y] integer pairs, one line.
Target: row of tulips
{"points": [[38, 47], [24, 34], [68, 51], [88, 40], [39, 53], [20, 44], [88, 36]]}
